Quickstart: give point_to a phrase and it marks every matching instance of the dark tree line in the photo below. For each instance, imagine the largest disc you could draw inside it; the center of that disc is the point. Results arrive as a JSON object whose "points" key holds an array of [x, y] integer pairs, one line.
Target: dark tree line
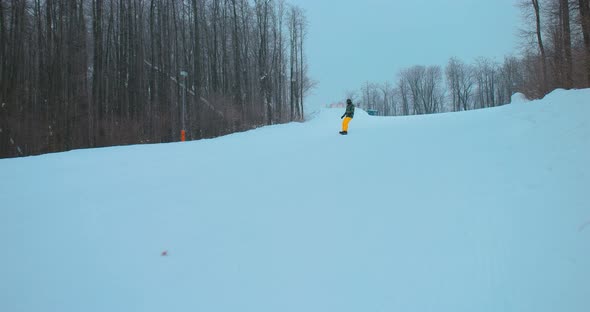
{"points": [[556, 46], [89, 73]]}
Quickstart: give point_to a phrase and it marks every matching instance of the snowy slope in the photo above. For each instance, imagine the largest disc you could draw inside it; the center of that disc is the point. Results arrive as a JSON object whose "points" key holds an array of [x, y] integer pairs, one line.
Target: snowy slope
{"points": [[485, 210]]}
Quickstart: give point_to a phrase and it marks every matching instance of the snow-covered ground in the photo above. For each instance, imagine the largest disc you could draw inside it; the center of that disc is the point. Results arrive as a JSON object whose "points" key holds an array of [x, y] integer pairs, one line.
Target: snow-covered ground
{"points": [[485, 210]]}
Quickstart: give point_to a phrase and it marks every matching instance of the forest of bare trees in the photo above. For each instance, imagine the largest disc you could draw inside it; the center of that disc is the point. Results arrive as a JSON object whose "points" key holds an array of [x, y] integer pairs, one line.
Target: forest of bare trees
{"points": [[89, 73], [555, 54]]}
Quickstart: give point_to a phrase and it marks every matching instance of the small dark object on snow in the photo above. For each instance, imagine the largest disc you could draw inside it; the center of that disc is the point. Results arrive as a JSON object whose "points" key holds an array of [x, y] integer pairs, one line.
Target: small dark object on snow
{"points": [[343, 132], [164, 253]]}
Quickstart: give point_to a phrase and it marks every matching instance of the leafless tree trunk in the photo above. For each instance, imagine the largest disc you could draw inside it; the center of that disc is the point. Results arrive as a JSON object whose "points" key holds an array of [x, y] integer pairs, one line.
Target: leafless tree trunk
{"points": [[388, 108], [3, 48], [567, 42], [302, 67], [585, 24], [540, 42], [293, 96], [403, 91]]}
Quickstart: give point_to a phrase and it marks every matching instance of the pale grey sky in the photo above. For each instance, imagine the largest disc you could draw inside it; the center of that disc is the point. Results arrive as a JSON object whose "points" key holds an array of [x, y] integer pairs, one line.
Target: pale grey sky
{"points": [[350, 42]]}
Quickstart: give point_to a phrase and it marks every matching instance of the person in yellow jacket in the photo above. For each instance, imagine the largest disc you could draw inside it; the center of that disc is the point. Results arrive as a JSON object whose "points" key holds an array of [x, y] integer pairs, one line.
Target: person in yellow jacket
{"points": [[348, 115]]}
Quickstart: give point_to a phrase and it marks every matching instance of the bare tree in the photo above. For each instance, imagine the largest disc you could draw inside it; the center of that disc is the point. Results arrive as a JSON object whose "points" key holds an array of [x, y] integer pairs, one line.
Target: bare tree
{"points": [[295, 82], [279, 68], [303, 86], [567, 42], [584, 7], [425, 87], [486, 76], [460, 83], [388, 108], [537, 11], [263, 20], [510, 79], [402, 86], [370, 96]]}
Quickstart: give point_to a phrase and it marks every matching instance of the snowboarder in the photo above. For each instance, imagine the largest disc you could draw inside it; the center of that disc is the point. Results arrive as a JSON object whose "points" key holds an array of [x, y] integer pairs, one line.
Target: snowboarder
{"points": [[348, 114]]}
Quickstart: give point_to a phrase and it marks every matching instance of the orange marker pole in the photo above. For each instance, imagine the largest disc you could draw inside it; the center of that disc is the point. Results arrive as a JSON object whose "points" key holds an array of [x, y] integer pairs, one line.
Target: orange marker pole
{"points": [[182, 135]]}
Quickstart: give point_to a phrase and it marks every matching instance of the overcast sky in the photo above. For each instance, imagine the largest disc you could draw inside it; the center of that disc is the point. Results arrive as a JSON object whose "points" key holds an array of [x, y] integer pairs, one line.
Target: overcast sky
{"points": [[350, 42]]}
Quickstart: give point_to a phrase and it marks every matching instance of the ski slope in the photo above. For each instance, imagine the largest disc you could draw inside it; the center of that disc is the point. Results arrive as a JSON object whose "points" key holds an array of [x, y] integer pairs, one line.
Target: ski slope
{"points": [[486, 210]]}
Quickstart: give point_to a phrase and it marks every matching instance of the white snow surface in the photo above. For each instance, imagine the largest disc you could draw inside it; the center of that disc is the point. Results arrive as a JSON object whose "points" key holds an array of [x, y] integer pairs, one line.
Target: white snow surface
{"points": [[485, 210]]}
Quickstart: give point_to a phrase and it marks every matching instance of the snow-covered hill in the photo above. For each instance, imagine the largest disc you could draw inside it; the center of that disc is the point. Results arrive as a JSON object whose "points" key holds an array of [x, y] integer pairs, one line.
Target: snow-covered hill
{"points": [[485, 210]]}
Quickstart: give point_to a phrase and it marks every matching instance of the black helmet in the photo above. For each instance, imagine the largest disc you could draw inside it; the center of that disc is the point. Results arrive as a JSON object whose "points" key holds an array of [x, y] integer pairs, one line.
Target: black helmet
{"points": [[348, 101]]}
